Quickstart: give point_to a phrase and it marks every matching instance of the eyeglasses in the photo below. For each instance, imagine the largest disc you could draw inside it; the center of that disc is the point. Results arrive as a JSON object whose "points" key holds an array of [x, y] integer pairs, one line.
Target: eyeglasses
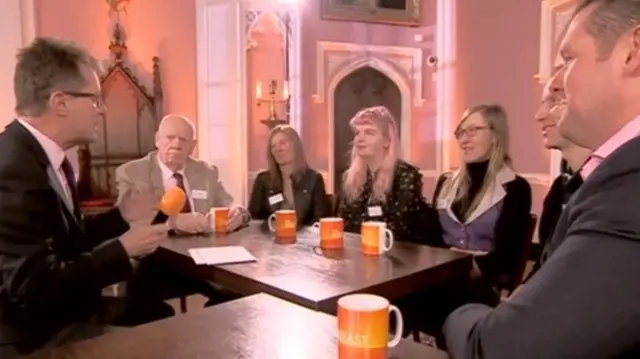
{"points": [[469, 131], [96, 99]]}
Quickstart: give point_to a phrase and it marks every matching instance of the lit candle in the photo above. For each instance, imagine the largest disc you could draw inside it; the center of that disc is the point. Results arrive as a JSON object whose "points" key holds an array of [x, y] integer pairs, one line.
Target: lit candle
{"points": [[285, 90], [258, 90]]}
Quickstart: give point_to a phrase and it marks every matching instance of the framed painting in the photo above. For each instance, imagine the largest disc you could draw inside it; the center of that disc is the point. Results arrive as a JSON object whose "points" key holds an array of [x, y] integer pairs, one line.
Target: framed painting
{"points": [[393, 12]]}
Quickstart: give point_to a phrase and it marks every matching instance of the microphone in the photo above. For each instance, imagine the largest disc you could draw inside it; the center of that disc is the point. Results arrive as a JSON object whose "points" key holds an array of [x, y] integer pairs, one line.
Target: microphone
{"points": [[170, 205]]}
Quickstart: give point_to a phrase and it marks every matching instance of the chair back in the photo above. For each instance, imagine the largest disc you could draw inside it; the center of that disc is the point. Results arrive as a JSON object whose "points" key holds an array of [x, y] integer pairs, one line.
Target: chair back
{"points": [[524, 256], [333, 208]]}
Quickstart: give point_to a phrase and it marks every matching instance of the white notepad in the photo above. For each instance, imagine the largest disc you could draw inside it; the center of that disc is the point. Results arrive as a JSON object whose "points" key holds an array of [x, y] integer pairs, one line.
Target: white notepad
{"points": [[221, 255]]}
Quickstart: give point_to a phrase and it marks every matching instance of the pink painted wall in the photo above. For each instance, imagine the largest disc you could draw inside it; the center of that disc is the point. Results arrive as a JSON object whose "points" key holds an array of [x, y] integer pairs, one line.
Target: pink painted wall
{"points": [[154, 28], [265, 62], [497, 55], [497, 48]]}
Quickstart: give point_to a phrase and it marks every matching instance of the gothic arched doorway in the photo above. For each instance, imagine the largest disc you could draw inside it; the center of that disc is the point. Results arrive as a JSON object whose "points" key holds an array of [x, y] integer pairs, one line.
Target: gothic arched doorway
{"points": [[364, 87]]}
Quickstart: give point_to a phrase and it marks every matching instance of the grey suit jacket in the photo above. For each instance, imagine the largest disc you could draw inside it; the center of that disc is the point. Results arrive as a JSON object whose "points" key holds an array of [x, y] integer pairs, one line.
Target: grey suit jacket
{"points": [[584, 302], [199, 175]]}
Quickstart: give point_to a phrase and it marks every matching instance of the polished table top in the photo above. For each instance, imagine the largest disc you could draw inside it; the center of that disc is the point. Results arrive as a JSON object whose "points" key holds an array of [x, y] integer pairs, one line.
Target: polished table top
{"points": [[255, 327], [303, 273]]}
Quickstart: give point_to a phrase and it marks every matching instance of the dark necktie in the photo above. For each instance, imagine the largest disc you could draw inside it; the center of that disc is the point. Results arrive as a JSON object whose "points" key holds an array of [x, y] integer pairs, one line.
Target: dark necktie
{"points": [[180, 183], [67, 169]]}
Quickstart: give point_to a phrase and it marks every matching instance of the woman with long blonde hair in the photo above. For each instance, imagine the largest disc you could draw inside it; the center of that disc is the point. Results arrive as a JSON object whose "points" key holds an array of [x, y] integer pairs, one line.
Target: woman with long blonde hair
{"points": [[378, 185], [288, 182], [483, 207]]}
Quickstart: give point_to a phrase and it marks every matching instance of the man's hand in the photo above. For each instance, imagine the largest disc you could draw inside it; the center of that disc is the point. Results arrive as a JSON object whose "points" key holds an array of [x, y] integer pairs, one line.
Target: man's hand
{"points": [[143, 239], [191, 223], [236, 218], [138, 205]]}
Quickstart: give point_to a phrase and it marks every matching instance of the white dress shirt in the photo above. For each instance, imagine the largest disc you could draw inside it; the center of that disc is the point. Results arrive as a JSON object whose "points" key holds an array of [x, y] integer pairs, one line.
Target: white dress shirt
{"points": [[169, 181], [55, 154]]}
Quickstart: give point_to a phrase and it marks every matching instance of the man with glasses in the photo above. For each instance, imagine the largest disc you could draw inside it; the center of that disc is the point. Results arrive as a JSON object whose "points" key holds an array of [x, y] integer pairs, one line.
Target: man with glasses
{"points": [[54, 261]]}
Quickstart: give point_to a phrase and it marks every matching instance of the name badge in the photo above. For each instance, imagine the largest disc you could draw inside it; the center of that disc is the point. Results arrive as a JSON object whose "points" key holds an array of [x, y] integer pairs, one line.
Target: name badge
{"points": [[198, 194], [442, 204], [375, 211], [275, 199]]}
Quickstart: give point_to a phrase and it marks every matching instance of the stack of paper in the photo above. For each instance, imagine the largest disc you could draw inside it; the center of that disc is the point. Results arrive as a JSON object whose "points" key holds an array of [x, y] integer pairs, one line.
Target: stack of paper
{"points": [[221, 255]]}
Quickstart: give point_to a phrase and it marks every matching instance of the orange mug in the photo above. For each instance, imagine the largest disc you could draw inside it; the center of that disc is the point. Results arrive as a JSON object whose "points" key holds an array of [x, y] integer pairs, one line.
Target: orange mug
{"points": [[283, 223], [376, 238], [331, 232], [363, 327], [218, 218]]}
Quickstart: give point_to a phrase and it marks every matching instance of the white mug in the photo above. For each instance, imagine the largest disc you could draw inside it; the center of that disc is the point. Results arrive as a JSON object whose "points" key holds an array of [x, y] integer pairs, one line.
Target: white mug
{"points": [[376, 238]]}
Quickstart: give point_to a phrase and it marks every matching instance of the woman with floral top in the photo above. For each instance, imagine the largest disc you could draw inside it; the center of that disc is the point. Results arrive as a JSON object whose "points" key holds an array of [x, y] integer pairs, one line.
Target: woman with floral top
{"points": [[378, 186]]}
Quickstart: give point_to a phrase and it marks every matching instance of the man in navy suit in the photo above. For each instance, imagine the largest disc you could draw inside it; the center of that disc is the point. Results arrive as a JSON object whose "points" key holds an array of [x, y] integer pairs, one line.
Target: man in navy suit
{"points": [[53, 261]]}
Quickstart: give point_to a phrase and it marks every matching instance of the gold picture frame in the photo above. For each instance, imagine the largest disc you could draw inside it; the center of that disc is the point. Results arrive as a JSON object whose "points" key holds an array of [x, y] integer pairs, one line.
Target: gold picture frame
{"points": [[391, 12]]}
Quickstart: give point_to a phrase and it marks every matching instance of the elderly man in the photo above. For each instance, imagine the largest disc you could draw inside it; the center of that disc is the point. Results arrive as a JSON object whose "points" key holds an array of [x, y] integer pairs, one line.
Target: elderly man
{"points": [[583, 302], [171, 165]]}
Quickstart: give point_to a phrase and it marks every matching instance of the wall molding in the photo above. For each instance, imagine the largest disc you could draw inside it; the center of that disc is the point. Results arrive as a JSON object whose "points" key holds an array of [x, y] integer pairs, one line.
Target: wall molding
{"points": [[221, 91], [402, 65], [254, 12], [332, 56], [554, 17]]}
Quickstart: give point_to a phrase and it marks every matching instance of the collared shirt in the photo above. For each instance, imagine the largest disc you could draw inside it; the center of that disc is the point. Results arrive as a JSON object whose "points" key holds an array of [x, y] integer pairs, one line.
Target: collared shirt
{"points": [[626, 134], [55, 154], [169, 181]]}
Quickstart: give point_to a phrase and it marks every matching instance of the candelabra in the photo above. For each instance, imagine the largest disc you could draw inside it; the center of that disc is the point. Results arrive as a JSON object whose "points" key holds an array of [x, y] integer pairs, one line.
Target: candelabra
{"points": [[272, 100]]}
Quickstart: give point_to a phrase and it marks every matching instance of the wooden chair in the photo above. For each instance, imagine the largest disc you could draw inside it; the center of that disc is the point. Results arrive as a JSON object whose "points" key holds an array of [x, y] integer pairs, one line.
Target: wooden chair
{"points": [[518, 274], [333, 205]]}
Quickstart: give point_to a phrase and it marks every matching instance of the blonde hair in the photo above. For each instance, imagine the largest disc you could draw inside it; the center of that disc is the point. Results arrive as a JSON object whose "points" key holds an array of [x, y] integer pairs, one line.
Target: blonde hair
{"points": [[299, 159], [458, 186], [355, 176]]}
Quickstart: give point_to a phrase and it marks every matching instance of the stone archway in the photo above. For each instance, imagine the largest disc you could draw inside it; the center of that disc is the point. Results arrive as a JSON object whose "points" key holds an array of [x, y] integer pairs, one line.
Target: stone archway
{"points": [[363, 87]]}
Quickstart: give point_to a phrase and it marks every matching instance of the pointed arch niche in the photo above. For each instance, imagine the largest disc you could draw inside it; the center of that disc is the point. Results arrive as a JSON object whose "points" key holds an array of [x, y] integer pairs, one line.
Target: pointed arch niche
{"points": [[402, 65], [267, 48], [265, 61]]}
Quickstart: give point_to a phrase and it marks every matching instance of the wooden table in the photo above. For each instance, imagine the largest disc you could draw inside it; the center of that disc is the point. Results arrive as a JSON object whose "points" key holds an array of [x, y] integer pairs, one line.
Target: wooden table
{"points": [[305, 274], [255, 327]]}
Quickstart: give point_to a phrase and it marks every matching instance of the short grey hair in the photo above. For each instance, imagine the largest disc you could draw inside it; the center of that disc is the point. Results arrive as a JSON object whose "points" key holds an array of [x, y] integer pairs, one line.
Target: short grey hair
{"points": [[184, 118], [609, 20], [45, 66]]}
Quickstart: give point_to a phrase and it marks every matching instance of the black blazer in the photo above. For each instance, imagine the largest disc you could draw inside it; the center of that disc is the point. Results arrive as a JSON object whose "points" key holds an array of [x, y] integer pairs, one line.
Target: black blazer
{"points": [[583, 302], [310, 197], [561, 190], [53, 266]]}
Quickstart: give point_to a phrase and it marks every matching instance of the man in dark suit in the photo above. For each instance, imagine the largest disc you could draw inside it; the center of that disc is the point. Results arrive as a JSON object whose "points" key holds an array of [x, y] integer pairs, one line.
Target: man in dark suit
{"points": [[584, 300], [53, 261]]}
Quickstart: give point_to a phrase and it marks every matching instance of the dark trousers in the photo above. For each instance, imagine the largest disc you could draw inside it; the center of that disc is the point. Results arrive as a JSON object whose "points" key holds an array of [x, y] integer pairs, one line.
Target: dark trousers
{"points": [[155, 281], [427, 310]]}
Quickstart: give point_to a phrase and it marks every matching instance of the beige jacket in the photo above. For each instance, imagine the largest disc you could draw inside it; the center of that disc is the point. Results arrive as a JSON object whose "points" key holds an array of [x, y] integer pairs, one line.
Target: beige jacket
{"points": [[146, 172]]}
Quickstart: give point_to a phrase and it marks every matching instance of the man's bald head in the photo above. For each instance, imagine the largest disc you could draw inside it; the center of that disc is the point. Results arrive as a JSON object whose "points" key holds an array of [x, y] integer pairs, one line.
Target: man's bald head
{"points": [[175, 140]]}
